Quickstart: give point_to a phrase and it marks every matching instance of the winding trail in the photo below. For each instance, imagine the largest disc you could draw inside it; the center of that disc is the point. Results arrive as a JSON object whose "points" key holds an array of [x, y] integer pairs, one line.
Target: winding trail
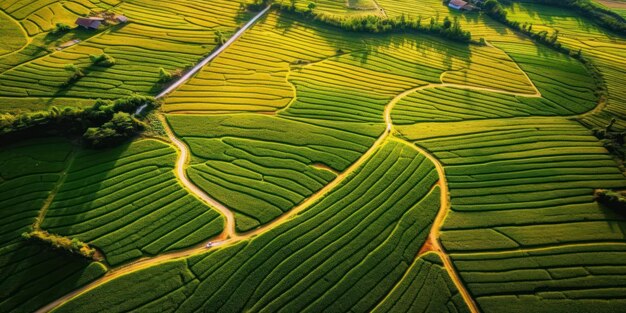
{"points": [[183, 158], [230, 236]]}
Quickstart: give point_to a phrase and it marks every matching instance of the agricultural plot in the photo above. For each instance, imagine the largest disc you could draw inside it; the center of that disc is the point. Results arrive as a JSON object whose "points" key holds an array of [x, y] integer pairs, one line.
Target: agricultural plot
{"points": [[425, 288], [32, 274], [172, 36], [607, 51], [42, 15], [262, 57], [523, 212], [127, 202], [565, 89], [372, 225], [318, 72], [13, 38], [262, 166], [343, 8]]}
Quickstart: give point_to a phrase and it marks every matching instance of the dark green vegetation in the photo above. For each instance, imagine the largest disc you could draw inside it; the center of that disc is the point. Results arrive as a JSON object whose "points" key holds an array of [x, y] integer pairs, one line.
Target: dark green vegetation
{"points": [[347, 252], [425, 288], [34, 274], [73, 245], [612, 199], [127, 202], [262, 166], [105, 124]]}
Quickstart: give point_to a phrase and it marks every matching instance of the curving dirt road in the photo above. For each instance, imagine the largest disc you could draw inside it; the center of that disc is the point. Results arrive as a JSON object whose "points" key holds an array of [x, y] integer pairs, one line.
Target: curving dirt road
{"points": [[230, 236], [181, 164]]}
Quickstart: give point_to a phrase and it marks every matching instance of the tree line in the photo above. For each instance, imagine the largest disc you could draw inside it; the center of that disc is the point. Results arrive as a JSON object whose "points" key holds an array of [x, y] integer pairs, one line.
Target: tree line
{"points": [[601, 15], [105, 124], [447, 28]]}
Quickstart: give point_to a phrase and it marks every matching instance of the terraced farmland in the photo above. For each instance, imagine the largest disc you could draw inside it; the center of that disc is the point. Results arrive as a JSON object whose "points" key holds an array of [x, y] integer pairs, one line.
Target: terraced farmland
{"points": [[262, 166], [603, 47], [32, 274], [523, 211], [171, 36], [128, 203], [564, 90], [305, 167], [373, 238]]}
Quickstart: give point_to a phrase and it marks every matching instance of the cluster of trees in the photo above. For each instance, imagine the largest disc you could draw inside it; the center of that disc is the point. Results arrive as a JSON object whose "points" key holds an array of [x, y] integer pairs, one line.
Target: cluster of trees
{"points": [[596, 12], [102, 59], [73, 246], [165, 76], [612, 140], [612, 199], [121, 127], [105, 124], [447, 28]]}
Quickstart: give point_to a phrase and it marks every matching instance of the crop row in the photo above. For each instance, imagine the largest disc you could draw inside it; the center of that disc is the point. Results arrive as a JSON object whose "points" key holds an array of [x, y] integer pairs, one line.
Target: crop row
{"points": [[335, 76], [171, 36], [425, 288], [42, 15], [128, 203], [33, 275], [262, 166], [607, 51], [347, 252], [262, 57]]}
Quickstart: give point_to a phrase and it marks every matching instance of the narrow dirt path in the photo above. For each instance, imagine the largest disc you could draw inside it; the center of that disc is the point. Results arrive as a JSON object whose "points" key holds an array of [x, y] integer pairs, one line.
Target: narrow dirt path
{"points": [[434, 241], [181, 164]]}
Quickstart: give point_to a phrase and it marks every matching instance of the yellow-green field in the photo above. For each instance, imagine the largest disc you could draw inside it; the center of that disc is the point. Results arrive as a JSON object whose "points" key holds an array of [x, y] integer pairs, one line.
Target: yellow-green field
{"points": [[304, 167]]}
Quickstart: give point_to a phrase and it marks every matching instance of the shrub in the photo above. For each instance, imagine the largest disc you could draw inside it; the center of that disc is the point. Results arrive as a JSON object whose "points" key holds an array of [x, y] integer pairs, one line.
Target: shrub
{"points": [[164, 76], [612, 199], [75, 73], [102, 59], [121, 127], [60, 28], [73, 246]]}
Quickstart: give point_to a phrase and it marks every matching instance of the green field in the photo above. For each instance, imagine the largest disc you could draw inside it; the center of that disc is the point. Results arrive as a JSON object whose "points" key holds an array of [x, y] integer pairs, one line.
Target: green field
{"points": [[523, 196], [317, 156], [128, 204], [32, 274], [259, 167], [347, 251]]}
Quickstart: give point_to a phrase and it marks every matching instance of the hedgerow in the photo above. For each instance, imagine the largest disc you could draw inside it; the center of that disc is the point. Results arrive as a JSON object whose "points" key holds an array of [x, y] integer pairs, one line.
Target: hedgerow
{"points": [[450, 29]]}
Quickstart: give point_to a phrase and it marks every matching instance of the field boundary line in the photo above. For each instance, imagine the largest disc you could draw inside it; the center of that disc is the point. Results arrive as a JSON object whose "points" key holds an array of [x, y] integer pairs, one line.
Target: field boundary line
{"points": [[55, 191]]}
